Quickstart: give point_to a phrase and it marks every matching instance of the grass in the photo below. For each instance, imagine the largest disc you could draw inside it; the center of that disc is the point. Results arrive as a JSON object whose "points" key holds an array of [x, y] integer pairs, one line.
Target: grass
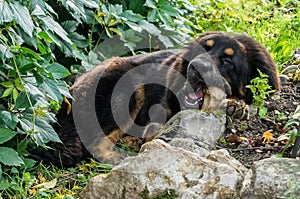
{"points": [[50, 181], [276, 24]]}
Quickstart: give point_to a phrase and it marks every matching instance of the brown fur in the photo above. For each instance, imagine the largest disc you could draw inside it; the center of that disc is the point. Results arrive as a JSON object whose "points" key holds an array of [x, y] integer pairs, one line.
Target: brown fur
{"points": [[237, 58]]}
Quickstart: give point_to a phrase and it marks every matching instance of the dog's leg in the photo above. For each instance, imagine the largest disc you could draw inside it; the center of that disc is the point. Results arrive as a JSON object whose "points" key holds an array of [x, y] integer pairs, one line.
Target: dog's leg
{"points": [[103, 149]]}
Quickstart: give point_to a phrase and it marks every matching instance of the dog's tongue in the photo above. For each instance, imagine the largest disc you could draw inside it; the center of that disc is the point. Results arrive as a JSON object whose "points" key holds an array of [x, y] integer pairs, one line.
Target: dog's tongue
{"points": [[196, 95]]}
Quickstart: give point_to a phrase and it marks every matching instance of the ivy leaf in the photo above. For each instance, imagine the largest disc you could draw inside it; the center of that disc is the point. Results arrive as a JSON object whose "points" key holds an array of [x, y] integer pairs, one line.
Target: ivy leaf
{"points": [[6, 134], [22, 17], [9, 119], [10, 157], [57, 70]]}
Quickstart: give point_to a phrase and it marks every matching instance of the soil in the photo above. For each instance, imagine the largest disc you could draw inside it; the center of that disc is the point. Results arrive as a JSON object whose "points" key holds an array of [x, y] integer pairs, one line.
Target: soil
{"points": [[244, 139]]}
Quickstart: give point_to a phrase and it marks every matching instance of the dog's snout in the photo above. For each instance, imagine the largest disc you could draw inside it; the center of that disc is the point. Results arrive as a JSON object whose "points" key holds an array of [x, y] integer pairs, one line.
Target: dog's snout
{"points": [[202, 63]]}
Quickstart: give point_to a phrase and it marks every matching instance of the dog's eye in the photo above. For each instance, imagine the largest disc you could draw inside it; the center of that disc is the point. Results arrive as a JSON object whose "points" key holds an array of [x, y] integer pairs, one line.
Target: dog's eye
{"points": [[226, 62]]}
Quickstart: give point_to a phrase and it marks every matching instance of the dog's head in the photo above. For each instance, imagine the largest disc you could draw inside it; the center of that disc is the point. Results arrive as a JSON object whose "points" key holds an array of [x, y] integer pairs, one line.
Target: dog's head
{"points": [[222, 65]]}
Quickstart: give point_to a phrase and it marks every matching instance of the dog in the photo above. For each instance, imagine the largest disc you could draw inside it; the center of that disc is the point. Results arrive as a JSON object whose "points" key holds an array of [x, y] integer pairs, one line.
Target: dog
{"points": [[131, 98]]}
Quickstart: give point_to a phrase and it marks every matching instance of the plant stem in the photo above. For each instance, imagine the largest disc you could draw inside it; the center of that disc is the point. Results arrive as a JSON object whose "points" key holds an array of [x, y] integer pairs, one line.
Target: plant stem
{"points": [[296, 145], [27, 95]]}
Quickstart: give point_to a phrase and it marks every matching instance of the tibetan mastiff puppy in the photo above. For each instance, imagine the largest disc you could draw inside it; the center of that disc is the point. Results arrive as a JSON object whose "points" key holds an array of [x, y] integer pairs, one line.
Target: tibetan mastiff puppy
{"points": [[129, 99]]}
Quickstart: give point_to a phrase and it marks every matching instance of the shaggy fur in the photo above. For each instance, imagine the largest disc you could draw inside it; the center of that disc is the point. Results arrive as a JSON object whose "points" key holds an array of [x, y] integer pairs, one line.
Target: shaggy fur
{"points": [[236, 56]]}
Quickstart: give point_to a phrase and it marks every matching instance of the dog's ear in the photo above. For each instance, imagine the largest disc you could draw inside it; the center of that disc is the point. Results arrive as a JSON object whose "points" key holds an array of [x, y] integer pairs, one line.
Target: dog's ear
{"points": [[259, 58]]}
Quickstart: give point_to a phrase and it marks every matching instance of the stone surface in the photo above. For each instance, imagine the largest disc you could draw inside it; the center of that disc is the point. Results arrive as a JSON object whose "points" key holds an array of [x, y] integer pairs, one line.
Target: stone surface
{"points": [[269, 178], [179, 164], [193, 130], [162, 169]]}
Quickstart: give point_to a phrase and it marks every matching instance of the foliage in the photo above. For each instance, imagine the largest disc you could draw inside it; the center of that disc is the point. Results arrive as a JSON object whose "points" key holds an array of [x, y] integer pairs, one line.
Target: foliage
{"points": [[167, 194], [38, 38], [44, 43], [294, 125], [273, 23], [261, 90], [290, 193], [51, 182]]}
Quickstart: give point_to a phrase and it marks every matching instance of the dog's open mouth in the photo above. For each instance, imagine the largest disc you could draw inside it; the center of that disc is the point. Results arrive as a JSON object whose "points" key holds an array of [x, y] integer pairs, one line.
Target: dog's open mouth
{"points": [[194, 99]]}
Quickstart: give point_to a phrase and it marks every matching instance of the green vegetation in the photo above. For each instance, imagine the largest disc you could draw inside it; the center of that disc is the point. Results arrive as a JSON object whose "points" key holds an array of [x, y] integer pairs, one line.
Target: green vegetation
{"points": [[44, 43], [294, 125], [167, 194], [290, 193], [261, 91]]}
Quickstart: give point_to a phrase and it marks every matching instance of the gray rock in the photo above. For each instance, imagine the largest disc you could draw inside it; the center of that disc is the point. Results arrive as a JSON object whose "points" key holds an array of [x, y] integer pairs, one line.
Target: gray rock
{"points": [[193, 130], [161, 169], [269, 178]]}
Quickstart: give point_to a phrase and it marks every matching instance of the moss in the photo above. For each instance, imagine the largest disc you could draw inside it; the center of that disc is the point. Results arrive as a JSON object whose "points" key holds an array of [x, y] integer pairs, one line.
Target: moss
{"points": [[167, 194]]}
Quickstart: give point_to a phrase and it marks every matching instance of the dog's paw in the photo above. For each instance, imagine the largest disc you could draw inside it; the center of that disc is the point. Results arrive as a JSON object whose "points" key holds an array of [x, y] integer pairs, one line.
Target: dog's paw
{"points": [[237, 109], [110, 157], [151, 131]]}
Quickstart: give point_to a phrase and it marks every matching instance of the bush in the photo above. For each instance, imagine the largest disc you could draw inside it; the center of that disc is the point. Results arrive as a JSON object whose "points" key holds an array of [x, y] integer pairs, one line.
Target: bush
{"points": [[43, 42]]}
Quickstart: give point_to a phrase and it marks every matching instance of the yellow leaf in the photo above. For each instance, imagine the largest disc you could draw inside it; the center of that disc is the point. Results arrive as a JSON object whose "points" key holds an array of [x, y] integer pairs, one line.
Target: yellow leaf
{"points": [[32, 191], [267, 137], [69, 106]]}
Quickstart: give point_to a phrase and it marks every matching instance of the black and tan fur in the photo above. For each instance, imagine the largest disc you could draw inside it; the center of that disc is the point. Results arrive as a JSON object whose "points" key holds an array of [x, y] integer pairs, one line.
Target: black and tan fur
{"points": [[236, 56]]}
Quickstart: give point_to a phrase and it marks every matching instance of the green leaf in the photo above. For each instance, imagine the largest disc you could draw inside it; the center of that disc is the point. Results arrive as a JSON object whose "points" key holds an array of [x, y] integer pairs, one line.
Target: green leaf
{"points": [[7, 84], [79, 40], [19, 85], [9, 119], [292, 122], [31, 53], [44, 35], [5, 52], [7, 92], [57, 70], [169, 10], [28, 164], [150, 28], [70, 26], [134, 26], [152, 16], [22, 17], [50, 87], [6, 134], [166, 41], [55, 27], [6, 12], [63, 89], [10, 157], [43, 131], [4, 184], [129, 15], [150, 4], [15, 94], [22, 101], [22, 147]]}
